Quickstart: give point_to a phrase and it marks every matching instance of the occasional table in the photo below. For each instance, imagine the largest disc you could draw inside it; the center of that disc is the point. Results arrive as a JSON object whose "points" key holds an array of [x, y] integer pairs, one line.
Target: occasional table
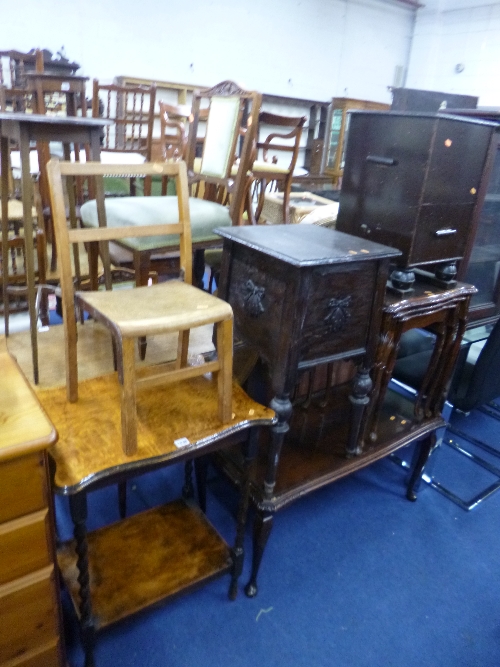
{"points": [[122, 568], [24, 128]]}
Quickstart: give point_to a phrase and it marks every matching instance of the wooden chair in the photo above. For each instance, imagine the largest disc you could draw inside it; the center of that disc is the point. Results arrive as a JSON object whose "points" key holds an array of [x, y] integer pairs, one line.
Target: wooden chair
{"points": [[173, 306], [228, 105], [130, 138], [267, 168]]}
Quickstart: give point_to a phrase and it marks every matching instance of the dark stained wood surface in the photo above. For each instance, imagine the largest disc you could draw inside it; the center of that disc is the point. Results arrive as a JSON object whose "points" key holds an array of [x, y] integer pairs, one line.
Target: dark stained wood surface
{"points": [[307, 245]]}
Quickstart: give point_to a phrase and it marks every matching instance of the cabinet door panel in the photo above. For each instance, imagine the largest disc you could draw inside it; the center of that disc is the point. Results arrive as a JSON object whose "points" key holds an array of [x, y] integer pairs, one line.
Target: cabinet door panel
{"points": [[338, 311]]}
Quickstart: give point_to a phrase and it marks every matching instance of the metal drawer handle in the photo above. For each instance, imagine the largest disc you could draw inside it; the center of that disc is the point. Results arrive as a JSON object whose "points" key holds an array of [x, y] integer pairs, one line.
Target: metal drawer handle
{"points": [[378, 159], [445, 232]]}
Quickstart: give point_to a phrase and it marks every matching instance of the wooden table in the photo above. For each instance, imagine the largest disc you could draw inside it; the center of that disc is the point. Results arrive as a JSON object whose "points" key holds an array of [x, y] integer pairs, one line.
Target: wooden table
{"points": [[24, 128], [343, 426], [183, 549], [30, 627]]}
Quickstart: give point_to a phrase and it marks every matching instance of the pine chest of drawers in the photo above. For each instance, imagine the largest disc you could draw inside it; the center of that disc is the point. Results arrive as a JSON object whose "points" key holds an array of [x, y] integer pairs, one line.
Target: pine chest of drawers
{"points": [[30, 617]]}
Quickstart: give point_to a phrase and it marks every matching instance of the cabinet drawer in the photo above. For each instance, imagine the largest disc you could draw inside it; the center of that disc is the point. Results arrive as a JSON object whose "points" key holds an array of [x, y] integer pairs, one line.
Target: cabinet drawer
{"points": [[22, 486], [23, 546], [29, 618]]}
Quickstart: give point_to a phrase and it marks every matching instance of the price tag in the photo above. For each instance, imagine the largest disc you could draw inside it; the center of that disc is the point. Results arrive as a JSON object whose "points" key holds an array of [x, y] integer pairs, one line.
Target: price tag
{"points": [[181, 442]]}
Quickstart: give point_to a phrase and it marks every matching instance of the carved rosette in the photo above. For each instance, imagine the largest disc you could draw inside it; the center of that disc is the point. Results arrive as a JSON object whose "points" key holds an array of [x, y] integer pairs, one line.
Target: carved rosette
{"points": [[253, 296]]}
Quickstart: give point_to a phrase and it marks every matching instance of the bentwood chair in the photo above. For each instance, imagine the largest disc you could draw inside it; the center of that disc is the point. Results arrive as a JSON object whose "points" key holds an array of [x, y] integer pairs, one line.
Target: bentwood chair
{"points": [[129, 314], [276, 158]]}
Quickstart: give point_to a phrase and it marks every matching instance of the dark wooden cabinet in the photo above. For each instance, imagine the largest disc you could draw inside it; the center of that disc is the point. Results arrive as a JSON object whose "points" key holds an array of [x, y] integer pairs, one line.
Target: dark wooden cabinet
{"points": [[481, 263], [413, 181], [410, 99]]}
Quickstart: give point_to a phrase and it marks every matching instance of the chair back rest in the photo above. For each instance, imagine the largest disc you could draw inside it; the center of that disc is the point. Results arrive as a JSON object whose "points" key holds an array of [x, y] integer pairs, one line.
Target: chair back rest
{"points": [[102, 234], [173, 131], [484, 384], [229, 109], [131, 108], [288, 142]]}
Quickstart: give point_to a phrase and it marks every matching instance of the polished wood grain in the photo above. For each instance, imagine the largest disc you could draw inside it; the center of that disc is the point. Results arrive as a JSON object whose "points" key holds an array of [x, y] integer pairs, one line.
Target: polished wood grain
{"points": [[24, 427], [29, 617], [23, 545], [89, 446], [183, 549], [26, 473]]}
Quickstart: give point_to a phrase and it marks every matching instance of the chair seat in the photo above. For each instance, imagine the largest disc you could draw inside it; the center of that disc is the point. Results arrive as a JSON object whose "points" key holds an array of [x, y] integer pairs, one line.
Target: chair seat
{"points": [[268, 167], [163, 308], [15, 211], [140, 211]]}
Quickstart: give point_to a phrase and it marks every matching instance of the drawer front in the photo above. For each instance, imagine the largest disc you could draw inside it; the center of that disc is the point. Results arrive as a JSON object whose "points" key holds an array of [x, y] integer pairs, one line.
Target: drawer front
{"points": [[28, 620], [338, 314], [442, 233], [23, 546], [22, 486]]}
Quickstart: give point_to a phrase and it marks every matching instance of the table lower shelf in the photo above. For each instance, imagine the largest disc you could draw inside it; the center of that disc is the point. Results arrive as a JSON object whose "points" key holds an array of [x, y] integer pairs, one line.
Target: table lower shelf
{"points": [[313, 453], [146, 558]]}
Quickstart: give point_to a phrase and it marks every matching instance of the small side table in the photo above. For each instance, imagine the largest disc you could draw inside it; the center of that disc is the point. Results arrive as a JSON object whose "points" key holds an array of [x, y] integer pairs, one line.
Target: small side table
{"points": [[24, 128]]}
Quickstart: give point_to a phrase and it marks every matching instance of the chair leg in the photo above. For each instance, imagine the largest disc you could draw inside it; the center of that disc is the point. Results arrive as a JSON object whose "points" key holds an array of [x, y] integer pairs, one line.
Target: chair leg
{"points": [[182, 349], [225, 374], [128, 396]]}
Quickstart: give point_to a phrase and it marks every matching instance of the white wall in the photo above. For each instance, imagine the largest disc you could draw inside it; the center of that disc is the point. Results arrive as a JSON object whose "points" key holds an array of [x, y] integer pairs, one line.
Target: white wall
{"points": [[313, 49], [452, 32]]}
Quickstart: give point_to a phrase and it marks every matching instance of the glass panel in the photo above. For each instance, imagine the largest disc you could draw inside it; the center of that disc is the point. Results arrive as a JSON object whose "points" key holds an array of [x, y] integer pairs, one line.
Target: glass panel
{"points": [[484, 263], [334, 136], [219, 137]]}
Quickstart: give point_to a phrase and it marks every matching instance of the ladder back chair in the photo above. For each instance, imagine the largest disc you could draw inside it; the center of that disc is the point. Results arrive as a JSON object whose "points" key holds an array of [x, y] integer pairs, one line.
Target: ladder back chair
{"points": [[173, 306], [129, 139]]}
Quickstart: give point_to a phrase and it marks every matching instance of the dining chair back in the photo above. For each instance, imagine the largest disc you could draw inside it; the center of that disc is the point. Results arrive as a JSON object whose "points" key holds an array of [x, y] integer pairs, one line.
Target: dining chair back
{"points": [[276, 158], [226, 159]]}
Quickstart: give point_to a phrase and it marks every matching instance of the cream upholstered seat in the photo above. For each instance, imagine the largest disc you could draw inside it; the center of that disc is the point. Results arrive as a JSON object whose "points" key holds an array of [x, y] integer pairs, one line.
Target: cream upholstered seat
{"points": [[129, 314]]}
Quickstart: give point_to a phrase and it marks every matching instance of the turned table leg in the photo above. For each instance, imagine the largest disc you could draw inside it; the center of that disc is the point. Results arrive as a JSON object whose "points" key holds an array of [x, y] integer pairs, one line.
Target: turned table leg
{"points": [[78, 509], [264, 520], [249, 452]]}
